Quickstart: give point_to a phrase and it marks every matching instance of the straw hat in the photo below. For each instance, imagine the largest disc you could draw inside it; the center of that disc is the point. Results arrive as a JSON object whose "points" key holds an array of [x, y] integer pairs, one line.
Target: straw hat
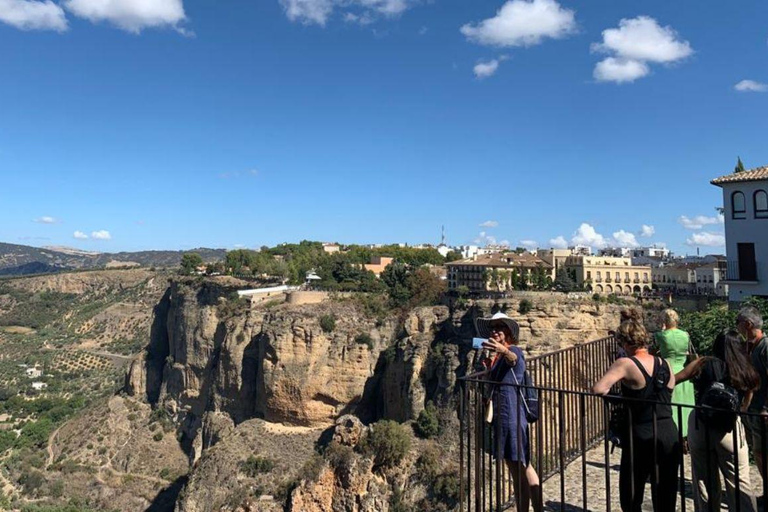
{"points": [[483, 325]]}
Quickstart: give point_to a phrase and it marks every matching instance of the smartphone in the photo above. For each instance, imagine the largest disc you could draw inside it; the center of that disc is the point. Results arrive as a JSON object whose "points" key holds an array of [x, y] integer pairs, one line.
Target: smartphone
{"points": [[477, 343]]}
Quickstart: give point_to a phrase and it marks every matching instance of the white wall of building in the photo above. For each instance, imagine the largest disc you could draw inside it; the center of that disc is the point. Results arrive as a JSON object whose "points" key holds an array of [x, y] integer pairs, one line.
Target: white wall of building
{"points": [[748, 230]]}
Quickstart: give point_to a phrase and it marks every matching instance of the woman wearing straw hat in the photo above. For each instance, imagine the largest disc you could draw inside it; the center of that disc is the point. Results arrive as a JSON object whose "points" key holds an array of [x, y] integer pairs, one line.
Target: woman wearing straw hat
{"points": [[508, 367]]}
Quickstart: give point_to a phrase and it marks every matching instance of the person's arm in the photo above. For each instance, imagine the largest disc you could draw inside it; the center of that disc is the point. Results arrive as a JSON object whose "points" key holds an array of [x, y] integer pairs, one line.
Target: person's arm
{"points": [[671, 383], [689, 371], [747, 400], [615, 373], [502, 349]]}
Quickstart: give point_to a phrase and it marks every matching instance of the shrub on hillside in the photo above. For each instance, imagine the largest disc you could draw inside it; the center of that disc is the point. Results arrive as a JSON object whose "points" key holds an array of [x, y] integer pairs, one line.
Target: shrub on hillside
{"points": [[364, 339], [339, 456], [427, 425], [428, 464], [328, 323], [256, 465], [388, 442], [525, 307]]}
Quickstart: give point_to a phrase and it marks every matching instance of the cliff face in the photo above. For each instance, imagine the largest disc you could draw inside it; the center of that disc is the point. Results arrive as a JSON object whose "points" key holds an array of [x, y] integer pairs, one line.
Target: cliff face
{"points": [[209, 352], [212, 352], [230, 373]]}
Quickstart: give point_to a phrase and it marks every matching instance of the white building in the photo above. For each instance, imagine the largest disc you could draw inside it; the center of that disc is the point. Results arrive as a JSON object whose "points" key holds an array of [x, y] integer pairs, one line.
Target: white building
{"points": [[650, 252], [616, 252], [711, 279], [581, 250], [33, 373], [745, 207], [39, 386]]}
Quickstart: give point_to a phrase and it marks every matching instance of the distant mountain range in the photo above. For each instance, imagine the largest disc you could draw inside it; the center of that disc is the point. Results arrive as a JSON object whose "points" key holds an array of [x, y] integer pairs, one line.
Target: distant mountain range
{"points": [[23, 259]]}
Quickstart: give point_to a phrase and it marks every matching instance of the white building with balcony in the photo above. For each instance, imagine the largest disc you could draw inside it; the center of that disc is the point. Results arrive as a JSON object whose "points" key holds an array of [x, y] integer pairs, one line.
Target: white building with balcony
{"points": [[745, 207]]}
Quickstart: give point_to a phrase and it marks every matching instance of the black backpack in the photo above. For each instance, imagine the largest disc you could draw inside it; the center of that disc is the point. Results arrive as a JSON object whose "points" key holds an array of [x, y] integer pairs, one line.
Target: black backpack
{"points": [[529, 396], [719, 403]]}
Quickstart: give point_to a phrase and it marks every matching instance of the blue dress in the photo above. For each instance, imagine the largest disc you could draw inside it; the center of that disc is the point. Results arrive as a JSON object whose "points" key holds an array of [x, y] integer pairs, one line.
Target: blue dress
{"points": [[506, 404]]}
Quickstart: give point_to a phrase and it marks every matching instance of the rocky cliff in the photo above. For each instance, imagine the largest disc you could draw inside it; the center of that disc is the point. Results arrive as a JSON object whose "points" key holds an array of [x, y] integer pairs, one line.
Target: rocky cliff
{"points": [[217, 364]]}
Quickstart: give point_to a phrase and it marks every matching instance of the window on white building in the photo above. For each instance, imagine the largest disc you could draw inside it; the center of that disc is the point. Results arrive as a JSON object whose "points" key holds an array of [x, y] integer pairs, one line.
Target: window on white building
{"points": [[761, 204], [738, 205]]}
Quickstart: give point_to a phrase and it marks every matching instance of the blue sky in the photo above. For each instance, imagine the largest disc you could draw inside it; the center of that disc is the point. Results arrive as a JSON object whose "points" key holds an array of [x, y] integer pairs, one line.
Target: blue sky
{"points": [[157, 124]]}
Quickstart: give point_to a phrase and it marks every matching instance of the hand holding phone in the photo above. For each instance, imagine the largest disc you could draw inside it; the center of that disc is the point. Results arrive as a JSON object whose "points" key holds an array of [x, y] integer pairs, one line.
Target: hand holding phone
{"points": [[477, 343]]}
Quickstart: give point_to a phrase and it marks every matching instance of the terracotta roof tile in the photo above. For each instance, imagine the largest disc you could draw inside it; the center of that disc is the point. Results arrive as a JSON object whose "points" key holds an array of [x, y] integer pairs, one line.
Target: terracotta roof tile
{"points": [[757, 174], [499, 260]]}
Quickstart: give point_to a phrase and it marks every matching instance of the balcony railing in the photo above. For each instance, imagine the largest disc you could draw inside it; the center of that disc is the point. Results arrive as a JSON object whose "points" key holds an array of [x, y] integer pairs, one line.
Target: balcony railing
{"points": [[570, 444], [737, 272]]}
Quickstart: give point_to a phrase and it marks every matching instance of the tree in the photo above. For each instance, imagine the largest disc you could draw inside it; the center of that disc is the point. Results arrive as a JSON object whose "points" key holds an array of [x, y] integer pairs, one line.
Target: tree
{"points": [[189, 262], [739, 166], [452, 256], [388, 443], [427, 425], [495, 279], [395, 276], [563, 281], [425, 288], [514, 280]]}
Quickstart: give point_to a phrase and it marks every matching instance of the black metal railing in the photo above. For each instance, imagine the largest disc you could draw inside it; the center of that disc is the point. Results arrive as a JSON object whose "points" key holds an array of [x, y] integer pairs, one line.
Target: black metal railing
{"points": [[574, 471], [559, 376], [738, 271]]}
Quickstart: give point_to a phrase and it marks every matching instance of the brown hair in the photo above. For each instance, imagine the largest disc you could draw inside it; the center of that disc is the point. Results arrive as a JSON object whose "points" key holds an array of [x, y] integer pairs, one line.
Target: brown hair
{"points": [[633, 333], [728, 347], [631, 314]]}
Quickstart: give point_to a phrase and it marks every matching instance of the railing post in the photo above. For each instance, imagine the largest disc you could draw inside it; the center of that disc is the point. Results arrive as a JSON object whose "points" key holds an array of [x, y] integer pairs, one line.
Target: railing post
{"points": [[462, 426], [582, 407], [561, 451], [682, 458]]}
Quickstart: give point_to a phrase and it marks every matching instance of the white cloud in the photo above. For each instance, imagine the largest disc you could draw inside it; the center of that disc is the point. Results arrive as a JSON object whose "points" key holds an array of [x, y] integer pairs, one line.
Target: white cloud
{"points": [[622, 238], [635, 43], [486, 69], [647, 231], [484, 239], [586, 235], [360, 19], [47, 220], [616, 70], [489, 224], [33, 15], [318, 12], [80, 235], [707, 239], [751, 86], [130, 15], [522, 23], [101, 235], [558, 242], [699, 221], [529, 244]]}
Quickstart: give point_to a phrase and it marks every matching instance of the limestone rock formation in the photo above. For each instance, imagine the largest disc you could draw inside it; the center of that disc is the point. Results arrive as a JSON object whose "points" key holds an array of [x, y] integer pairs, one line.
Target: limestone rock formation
{"points": [[237, 377]]}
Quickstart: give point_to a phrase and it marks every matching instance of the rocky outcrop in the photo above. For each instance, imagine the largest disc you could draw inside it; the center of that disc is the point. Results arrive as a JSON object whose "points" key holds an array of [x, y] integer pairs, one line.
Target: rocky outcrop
{"points": [[211, 352], [229, 373]]}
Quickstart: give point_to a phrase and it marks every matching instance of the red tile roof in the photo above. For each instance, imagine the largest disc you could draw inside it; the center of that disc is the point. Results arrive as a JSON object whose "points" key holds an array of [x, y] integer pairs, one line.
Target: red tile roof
{"points": [[757, 174]]}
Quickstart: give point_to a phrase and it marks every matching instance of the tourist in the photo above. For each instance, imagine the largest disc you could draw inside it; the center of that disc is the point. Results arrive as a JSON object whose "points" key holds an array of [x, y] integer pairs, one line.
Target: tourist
{"points": [[508, 367], [624, 315], [749, 323], [648, 380], [674, 345], [717, 440]]}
